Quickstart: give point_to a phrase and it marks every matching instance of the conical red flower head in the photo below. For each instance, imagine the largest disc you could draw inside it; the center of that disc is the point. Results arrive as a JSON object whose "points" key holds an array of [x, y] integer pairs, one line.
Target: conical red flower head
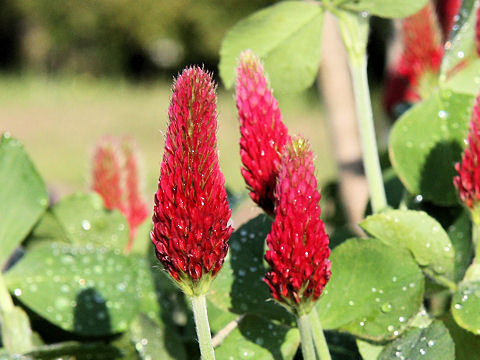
{"points": [[414, 74], [191, 212], [298, 245], [106, 174], [115, 177], [263, 134], [468, 180]]}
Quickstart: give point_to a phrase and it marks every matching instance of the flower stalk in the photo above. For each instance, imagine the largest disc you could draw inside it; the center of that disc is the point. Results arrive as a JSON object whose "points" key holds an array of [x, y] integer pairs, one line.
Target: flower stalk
{"points": [[305, 328], [318, 336], [199, 307], [354, 29]]}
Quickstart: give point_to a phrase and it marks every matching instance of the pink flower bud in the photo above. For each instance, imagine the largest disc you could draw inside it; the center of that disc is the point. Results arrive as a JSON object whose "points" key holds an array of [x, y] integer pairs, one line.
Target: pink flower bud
{"points": [[298, 245], [191, 212], [263, 134]]}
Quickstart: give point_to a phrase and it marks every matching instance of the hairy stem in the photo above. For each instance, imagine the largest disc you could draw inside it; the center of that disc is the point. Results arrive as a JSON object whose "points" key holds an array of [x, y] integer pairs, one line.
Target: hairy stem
{"points": [[305, 327], [354, 28], [199, 306], [6, 303], [318, 337]]}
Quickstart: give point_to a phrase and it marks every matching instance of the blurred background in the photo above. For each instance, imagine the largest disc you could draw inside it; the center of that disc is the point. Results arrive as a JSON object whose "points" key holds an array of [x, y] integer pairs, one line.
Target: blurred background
{"points": [[73, 71]]}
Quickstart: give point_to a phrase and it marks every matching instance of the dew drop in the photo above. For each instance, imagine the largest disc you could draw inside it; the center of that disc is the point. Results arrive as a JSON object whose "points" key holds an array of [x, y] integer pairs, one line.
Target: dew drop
{"points": [[387, 307], [86, 225], [17, 292]]}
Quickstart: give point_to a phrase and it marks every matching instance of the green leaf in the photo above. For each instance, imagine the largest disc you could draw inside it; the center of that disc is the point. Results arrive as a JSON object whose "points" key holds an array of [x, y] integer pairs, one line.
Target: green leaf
{"points": [[257, 338], [368, 350], [461, 45], [219, 318], [461, 236], [80, 289], [467, 80], [86, 222], [239, 287], [142, 243], [466, 306], [464, 340], [384, 8], [23, 196], [286, 36], [431, 343], [417, 232], [374, 290], [153, 340], [426, 142], [16, 331], [75, 350]]}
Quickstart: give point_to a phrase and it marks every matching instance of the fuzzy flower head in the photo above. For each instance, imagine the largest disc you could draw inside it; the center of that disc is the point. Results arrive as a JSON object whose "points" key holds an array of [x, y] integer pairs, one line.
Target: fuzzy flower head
{"points": [[468, 180], [115, 177], [263, 134], [191, 213], [413, 75], [298, 245]]}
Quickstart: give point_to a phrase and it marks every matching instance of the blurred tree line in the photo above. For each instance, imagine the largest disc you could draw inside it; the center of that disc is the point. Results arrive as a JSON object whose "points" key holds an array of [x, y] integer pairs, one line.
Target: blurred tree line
{"points": [[138, 38]]}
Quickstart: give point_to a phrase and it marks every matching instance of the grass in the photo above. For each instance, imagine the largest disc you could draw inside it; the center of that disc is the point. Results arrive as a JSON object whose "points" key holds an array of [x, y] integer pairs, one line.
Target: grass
{"points": [[59, 120]]}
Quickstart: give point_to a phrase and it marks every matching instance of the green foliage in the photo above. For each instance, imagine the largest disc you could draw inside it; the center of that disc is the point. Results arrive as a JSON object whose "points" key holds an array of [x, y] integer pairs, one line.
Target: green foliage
{"points": [[257, 338], [466, 305], [239, 287], [150, 341], [413, 231], [23, 196], [85, 221], [427, 140], [384, 8], [433, 342], [16, 331], [461, 45], [374, 291], [78, 288], [289, 30]]}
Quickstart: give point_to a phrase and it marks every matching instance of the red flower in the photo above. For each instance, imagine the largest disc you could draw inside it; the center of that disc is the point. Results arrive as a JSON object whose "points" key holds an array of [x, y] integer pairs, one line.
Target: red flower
{"points": [[106, 174], [115, 179], [414, 73], [263, 134], [298, 245], [191, 212], [136, 210], [468, 180]]}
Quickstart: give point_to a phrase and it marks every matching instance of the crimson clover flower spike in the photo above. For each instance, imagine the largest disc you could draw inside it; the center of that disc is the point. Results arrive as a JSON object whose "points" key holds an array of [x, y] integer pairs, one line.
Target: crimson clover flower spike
{"points": [[115, 177], [106, 173], [136, 210], [191, 213], [414, 73], [468, 180], [298, 244], [263, 134]]}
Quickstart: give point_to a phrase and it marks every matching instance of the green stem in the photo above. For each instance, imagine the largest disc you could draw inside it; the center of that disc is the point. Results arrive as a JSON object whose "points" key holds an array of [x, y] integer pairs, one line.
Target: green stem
{"points": [[318, 337], [475, 240], [199, 306], [6, 303], [354, 28], [305, 327]]}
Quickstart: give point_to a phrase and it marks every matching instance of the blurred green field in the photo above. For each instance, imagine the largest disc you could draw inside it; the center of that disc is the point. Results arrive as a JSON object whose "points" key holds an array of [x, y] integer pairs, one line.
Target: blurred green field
{"points": [[60, 119]]}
